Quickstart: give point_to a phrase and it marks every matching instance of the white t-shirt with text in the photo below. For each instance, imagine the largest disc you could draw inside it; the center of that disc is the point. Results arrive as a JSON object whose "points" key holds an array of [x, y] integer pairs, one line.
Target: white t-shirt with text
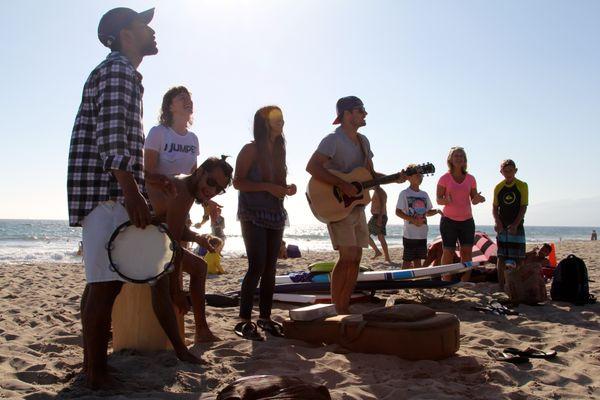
{"points": [[177, 154], [415, 204]]}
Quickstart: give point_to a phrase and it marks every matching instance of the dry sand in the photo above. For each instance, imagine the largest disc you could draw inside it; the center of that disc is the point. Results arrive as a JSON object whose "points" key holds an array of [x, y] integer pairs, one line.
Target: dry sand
{"points": [[40, 345]]}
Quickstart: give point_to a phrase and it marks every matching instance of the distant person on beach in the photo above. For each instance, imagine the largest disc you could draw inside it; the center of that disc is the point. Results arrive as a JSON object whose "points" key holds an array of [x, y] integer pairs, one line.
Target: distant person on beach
{"points": [[594, 235], [414, 206], [456, 191], [511, 197], [261, 178], [378, 222], [210, 179], [344, 150], [105, 182]]}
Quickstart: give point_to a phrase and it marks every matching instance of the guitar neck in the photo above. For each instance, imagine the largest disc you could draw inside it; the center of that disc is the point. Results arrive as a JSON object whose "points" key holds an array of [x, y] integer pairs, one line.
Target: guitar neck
{"points": [[380, 181]]}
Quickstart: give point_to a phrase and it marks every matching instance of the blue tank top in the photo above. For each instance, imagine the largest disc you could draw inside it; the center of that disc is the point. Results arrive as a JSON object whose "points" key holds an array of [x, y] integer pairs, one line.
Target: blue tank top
{"points": [[261, 208]]}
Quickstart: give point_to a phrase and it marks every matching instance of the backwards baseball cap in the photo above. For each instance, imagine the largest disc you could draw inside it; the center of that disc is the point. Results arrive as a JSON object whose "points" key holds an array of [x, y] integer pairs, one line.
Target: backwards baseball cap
{"points": [[119, 18], [347, 103]]}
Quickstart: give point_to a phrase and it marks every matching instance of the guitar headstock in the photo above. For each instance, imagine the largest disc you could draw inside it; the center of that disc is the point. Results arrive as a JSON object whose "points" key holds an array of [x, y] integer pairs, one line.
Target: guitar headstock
{"points": [[423, 169]]}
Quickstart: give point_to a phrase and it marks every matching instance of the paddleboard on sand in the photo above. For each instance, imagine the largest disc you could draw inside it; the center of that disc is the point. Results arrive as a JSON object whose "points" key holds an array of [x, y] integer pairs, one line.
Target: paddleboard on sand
{"points": [[323, 287], [315, 298], [390, 275]]}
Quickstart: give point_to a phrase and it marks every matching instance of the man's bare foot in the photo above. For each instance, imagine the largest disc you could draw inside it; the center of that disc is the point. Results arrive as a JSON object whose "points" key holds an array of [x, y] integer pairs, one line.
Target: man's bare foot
{"points": [[206, 336], [187, 356], [377, 254], [103, 380], [387, 260]]}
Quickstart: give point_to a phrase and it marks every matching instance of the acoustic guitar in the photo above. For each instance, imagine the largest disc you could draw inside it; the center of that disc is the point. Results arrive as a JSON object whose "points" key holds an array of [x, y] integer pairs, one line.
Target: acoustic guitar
{"points": [[329, 204]]}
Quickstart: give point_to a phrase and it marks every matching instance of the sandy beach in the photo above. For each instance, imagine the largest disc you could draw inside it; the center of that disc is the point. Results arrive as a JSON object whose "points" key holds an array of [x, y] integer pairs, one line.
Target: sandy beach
{"points": [[41, 354]]}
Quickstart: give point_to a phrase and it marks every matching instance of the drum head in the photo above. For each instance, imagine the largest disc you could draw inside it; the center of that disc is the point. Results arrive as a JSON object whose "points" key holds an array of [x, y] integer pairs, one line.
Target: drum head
{"points": [[141, 255]]}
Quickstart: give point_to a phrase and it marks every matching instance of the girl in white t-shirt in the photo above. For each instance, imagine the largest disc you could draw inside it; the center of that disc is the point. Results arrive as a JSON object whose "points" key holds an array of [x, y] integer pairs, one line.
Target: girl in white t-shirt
{"points": [[170, 148]]}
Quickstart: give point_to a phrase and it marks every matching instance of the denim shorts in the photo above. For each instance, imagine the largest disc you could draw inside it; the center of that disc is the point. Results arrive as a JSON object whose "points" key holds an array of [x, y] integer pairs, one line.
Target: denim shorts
{"points": [[453, 231]]}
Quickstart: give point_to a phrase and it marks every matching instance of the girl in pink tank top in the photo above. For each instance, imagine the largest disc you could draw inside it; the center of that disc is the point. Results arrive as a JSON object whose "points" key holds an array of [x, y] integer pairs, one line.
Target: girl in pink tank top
{"points": [[456, 191]]}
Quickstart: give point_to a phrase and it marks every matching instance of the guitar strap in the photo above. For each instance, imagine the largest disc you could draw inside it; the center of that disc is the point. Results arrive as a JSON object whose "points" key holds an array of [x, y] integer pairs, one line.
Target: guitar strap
{"points": [[368, 161]]}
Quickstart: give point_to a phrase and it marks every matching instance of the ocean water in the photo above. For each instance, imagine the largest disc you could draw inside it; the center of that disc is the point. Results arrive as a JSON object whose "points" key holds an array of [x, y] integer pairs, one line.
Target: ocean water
{"points": [[54, 240]]}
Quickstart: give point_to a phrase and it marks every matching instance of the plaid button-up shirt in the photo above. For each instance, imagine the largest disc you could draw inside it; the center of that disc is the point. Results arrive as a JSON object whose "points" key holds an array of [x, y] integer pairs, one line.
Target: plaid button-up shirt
{"points": [[108, 135]]}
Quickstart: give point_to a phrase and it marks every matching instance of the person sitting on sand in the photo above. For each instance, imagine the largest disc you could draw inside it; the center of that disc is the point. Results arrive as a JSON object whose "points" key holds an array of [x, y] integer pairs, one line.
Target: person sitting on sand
{"points": [[210, 179], [377, 223], [212, 211], [539, 256]]}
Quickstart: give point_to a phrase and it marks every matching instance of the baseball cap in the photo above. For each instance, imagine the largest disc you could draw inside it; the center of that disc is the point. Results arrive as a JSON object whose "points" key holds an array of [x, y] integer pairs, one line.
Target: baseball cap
{"points": [[346, 104], [118, 18]]}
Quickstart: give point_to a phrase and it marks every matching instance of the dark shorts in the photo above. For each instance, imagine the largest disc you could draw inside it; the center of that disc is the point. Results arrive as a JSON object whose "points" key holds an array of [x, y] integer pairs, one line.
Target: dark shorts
{"points": [[511, 246], [414, 249], [453, 231], [374, 229]]}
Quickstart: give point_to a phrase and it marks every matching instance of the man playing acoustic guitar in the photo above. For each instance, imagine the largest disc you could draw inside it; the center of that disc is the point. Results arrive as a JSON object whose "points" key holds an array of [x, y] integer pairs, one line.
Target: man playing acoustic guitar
{"points": [[344, 150]]}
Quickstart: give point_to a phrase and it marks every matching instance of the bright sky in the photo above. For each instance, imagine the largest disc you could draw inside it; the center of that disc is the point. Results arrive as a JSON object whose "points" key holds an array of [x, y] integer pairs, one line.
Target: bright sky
{"points": [[504, 79]]}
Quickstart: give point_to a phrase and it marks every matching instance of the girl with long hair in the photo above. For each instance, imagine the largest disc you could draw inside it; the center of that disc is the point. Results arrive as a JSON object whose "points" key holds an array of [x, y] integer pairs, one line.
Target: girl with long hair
{"points": [[456, 191], [171, 149], [261, 178]]}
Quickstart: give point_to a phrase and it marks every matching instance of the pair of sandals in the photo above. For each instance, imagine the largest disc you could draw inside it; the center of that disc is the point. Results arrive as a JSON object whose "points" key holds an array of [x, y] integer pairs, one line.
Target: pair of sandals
{"points": [[249, 330], [496, 308], [516, 356]]}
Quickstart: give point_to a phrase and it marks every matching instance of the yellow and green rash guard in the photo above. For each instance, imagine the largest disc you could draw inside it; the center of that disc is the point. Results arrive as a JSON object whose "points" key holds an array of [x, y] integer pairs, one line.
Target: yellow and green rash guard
{"points": [[508, 200]]}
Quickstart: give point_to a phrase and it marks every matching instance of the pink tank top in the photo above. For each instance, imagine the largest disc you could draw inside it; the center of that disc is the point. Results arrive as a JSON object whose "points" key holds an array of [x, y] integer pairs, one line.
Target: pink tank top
{"points": [[460, 207]]}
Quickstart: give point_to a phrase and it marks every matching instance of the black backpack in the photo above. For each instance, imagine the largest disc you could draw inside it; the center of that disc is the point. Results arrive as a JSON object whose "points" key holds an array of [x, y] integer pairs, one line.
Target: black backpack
{"points": [[570, 282]]}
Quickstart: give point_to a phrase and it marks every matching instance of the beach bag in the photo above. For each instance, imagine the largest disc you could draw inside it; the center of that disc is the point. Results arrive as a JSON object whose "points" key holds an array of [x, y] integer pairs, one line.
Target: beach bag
{"points": [[293, 251], [525, 284], [259, 387], [570, 282]]}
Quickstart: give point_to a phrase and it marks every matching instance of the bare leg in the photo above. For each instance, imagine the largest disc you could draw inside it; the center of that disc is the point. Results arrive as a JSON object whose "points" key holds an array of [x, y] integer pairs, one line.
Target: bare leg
{"points": [[374, 247], [165, 313], [96, 320], [343, 277], [501, 269], [447, 257], [84, 297], [417, 263], [466, 255], [196, 267], [406, 264], [384, 247]]}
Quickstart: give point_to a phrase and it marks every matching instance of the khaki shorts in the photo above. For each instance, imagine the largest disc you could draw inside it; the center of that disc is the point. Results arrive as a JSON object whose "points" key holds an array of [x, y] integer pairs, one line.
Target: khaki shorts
{"points": [[351, 231]]}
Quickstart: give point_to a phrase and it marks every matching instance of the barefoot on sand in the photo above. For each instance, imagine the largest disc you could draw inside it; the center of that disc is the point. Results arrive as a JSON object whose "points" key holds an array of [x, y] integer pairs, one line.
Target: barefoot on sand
{"points": [[205, 337]]}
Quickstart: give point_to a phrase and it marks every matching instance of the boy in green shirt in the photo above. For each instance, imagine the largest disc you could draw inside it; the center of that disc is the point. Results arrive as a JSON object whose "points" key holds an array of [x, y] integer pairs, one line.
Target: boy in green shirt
{"points": [[511, 197]]}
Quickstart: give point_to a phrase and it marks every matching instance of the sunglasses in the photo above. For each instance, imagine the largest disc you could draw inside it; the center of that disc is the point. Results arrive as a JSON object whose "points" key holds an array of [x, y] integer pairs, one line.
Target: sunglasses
{"points": [[214, 184]]}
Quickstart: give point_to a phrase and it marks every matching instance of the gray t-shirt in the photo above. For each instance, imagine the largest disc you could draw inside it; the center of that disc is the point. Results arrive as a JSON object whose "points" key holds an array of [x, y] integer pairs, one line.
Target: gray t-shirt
{"points": [[344, 155]]}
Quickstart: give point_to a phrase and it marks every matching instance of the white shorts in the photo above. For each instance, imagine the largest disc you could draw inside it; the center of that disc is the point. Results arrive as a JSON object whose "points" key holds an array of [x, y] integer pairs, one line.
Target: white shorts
{"points": [[98, 226]]}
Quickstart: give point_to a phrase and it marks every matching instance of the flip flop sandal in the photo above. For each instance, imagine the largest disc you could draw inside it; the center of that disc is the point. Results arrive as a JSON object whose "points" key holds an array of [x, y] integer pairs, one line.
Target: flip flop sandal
{"points": [[274, 328], [507, 357], [531, 353], [487, 310], [248, 330]]}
